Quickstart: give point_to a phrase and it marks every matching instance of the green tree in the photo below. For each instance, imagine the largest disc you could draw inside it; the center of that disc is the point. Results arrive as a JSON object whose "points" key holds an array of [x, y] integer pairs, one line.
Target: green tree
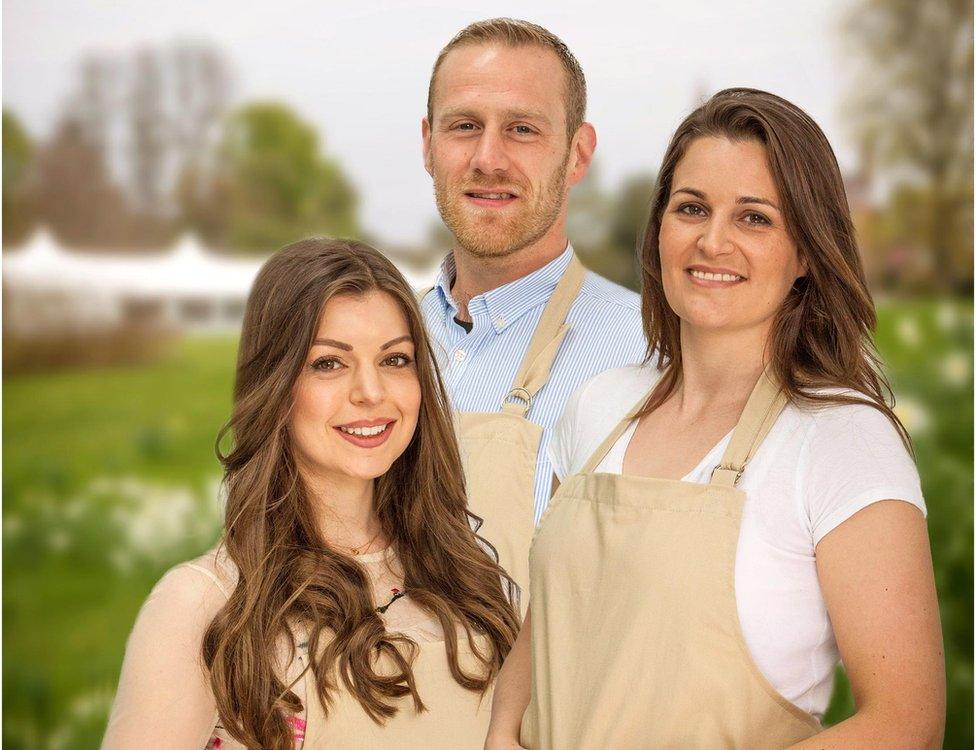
{"points": [[273, 185], [18, 153], [912, 112]]}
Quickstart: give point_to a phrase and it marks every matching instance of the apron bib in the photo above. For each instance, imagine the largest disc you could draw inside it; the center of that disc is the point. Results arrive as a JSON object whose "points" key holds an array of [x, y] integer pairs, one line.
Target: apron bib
{"points": [[499, 449], [636, 640], [455, 717]]}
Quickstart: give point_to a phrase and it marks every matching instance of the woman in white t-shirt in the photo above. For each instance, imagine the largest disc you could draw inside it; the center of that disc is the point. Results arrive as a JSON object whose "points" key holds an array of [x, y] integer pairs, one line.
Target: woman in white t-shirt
{"points": [[743, 510]]}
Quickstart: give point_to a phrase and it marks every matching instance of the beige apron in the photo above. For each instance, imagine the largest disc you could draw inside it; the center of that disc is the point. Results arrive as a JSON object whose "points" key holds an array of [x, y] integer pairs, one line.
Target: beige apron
{"points": [[499, 449], [636, 640], [455, 717]]}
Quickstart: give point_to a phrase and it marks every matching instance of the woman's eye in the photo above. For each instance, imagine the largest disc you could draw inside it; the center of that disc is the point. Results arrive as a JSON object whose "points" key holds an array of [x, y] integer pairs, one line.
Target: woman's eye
{"points": [[691, 209], [398, 360], [326, 364], [754, 218]]}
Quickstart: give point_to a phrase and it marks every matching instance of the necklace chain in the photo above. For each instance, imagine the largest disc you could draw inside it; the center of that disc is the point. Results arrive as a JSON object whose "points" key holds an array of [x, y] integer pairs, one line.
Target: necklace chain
{"points": [[361, 548]]}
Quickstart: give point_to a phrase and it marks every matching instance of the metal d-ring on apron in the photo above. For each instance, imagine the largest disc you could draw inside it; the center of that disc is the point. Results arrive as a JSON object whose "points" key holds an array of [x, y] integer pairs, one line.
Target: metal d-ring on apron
{"points": [[499, 449], [636, 641]]}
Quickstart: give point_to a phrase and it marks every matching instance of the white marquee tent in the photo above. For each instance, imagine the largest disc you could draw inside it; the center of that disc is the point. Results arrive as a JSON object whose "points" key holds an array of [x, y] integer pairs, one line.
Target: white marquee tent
{"points": [[187, 287]]}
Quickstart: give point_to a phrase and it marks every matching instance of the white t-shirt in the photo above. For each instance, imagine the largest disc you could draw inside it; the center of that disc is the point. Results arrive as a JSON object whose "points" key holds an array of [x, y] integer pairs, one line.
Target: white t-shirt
{"points": [[815, 469]]}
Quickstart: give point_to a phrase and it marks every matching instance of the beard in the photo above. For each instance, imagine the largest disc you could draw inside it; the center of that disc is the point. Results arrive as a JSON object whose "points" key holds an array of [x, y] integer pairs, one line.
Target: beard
{"points": [[485, 235]]}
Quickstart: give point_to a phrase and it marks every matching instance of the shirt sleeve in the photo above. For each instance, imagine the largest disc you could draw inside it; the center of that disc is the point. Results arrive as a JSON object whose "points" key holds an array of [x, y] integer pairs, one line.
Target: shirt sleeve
{"points": [[164, 697], [854, 457], [565, 434]]}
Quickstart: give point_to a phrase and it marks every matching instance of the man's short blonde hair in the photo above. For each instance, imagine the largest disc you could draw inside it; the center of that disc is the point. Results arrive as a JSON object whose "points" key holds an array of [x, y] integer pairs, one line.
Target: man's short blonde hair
{"points": [[516, 33]]}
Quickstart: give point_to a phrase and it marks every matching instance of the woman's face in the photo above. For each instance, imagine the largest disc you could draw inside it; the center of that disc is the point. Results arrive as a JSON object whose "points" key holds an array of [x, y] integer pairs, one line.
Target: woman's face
{"points": [[357, 398], [727, 260]]}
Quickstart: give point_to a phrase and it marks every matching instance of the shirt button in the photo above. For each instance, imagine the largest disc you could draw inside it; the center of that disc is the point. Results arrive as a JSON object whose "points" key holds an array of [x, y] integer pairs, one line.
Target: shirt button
{"points": [[500, 323], [459, 355]]}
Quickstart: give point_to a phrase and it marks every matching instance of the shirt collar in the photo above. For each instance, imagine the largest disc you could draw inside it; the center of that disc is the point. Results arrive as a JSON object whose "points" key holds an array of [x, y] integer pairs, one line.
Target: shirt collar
{"points": [[507, 303]]}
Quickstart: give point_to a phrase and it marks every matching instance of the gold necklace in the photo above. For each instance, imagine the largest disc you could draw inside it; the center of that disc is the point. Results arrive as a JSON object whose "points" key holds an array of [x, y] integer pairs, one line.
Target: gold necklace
{"points": [[359, 549]]}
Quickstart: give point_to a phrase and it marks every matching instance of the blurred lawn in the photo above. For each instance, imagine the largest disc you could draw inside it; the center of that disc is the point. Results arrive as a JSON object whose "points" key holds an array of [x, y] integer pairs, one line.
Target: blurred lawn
{"points": [[110, 478]]}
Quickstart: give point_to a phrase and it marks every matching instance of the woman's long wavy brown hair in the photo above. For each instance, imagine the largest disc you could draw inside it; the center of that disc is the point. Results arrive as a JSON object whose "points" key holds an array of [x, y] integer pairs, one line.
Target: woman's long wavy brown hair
{"points": [[288, 575], [822, 336]]}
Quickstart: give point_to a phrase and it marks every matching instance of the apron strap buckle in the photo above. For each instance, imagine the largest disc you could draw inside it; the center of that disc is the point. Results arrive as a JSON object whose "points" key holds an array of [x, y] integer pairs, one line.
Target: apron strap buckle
{"points": [[521, 394], [730, 474]]}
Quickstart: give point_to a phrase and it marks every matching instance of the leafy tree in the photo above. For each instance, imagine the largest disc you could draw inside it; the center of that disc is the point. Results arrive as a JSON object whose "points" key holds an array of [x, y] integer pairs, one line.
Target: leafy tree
{"points": [[272, 184], [18, 152], [912, 110]]}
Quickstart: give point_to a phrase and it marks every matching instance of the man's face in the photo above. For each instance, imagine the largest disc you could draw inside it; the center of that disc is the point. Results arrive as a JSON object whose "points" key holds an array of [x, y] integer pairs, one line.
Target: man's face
{"points": [[497, 147]]}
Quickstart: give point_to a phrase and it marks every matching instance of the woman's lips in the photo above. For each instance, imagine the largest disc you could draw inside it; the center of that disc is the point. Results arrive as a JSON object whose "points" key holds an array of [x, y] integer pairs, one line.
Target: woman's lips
{"points": [[366, 441], [700, 277]]}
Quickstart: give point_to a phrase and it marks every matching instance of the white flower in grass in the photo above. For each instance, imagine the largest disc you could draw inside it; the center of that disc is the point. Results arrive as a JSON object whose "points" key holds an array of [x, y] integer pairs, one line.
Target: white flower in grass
{"points": [[955, 369], [59, 540], [913, 415], [95, 703], [908, 331], [13, 525], [156, 519], [947, 315]]}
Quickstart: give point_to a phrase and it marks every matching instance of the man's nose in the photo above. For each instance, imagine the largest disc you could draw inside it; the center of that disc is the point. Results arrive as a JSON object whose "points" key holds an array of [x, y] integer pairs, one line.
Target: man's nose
{"points": [[490, 156]]}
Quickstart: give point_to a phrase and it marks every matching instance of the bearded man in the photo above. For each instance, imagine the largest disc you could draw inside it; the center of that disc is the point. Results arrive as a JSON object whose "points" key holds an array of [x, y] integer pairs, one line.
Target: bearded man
{"points": [[519, 322]]}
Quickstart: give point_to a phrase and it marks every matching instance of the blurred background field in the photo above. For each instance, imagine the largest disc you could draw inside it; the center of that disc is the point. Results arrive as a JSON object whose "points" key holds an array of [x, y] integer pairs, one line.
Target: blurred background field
{"points": [[147, 171]]}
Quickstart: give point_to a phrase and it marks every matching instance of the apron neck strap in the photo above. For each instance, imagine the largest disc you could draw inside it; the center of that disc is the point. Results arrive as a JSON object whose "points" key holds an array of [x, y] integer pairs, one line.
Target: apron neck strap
{"points": [[760, 413], [593, 461], [536, 365]]}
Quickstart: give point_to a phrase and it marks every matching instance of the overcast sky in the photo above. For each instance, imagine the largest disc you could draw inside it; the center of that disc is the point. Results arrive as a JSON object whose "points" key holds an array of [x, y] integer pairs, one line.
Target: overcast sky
{"points": [[359, 69]]}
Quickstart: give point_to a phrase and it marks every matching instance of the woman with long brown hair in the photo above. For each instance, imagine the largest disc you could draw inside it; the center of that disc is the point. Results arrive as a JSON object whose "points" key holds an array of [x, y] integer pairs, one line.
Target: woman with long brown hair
{"points": [[349, 603], [742, 510]]}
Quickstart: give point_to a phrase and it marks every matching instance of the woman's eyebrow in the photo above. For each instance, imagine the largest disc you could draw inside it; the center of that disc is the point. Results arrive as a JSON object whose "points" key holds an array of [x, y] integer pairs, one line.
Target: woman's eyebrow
{"points": [[333, 342], [754, 199], [348, 347], [391, 342]]}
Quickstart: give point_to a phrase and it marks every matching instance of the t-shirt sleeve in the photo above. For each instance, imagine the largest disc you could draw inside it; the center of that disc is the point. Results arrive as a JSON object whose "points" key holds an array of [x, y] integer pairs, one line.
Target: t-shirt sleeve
{"points": [[564, 443], [854, 457], [164, 697]]}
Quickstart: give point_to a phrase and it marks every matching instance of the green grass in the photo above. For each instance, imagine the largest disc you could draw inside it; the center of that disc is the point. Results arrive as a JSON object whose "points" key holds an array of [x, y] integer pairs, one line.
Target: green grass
{"points": [[79, 556]]}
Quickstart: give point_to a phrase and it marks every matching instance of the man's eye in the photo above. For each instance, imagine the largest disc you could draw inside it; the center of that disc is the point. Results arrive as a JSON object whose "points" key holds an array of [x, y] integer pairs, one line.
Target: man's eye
{"points": [[467, 126], [523, 130]]}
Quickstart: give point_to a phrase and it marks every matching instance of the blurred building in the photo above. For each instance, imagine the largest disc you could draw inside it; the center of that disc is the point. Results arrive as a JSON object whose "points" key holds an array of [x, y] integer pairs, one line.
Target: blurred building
{"points": [[51, 291]]}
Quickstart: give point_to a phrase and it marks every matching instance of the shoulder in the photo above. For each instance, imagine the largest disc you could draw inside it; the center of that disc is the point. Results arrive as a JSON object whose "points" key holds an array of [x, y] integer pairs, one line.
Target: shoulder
{"points": [[593, 411], [600, 290], [616, 388], [848, 425], [201, 585]]}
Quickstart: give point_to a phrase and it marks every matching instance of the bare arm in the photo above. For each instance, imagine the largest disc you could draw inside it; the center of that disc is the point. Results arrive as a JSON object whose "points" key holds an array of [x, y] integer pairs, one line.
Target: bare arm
{"points": [[512, 692], [164, 697], [514, 686], [875, 571]]}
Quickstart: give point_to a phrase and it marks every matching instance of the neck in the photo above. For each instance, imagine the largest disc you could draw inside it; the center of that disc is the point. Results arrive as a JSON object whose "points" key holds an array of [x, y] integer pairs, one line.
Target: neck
{"points": [[344, 510], [720, 368], [477, 274]]}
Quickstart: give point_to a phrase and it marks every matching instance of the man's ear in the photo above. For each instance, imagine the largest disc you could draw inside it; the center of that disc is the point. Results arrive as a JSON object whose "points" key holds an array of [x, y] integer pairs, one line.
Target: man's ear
{"points": [[582, 148], [425, 135]]}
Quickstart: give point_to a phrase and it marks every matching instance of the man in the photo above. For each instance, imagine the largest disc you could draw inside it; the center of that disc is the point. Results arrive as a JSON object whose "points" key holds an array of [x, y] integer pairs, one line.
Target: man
{"points": [[520, 324]]}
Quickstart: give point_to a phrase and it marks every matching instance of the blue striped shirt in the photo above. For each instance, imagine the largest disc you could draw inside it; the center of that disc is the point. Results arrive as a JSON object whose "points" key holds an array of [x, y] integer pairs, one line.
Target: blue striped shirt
{"points": [[479, 367]]}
